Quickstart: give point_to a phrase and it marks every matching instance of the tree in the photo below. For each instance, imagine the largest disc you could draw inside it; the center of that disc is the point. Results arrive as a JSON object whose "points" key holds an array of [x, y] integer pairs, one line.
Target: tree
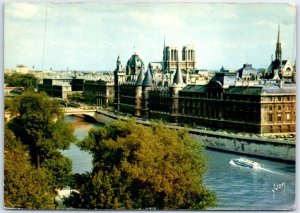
{"points": [[24, 185], [76, 96], [29, 81], [138, 167], [61, 169], [39, 124]]}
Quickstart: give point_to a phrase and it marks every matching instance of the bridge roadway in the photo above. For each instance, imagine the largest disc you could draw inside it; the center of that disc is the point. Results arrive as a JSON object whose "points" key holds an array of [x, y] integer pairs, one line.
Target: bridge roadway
{"points": [[86, 113]]}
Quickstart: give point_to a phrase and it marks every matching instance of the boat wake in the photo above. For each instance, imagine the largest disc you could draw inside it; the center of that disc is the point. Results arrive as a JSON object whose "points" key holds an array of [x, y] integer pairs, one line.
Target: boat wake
{"points": [[269, 171], [257, 167]]}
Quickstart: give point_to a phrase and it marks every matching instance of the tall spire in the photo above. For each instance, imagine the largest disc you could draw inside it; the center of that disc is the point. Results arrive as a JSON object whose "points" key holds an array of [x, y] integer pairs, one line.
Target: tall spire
{"points": [[278, 51], [164, 50], [278, 36]]}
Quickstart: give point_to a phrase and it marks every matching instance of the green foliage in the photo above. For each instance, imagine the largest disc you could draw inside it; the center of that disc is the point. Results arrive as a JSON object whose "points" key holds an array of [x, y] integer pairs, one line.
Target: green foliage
{"points": [[60, 168], [138, 167], [39, 124], [29, 81], [76, 96], [24, 185]]}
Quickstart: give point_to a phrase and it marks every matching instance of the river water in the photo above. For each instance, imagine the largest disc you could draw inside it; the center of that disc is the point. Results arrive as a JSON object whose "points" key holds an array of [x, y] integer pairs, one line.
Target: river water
{"points": [[237, 188]]}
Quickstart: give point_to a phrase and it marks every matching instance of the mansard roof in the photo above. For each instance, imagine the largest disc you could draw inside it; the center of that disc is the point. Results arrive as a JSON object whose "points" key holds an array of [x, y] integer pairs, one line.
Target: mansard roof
{"points": [[262, 90], [195, 88]]}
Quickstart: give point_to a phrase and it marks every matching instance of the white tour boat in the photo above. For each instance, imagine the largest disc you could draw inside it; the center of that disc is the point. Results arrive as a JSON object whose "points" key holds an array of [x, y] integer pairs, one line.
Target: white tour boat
{"points": [[245, 163]]}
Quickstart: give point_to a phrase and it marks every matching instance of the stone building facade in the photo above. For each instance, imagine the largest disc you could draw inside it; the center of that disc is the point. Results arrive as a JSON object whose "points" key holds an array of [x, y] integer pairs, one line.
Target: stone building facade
{"points": [[58, 88], [231, 100], [245, 100], [98, 93], [171, 59]]}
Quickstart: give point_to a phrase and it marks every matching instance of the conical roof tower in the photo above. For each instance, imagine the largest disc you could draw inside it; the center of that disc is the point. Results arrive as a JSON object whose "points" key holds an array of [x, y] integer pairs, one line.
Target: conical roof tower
{"points": [[148, 79], [139, 81], [178, 76]]}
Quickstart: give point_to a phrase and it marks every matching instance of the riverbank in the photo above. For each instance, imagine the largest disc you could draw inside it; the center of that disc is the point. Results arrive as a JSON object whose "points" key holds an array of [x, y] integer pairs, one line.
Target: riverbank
{"points": [[280, 150], [237, 188]]}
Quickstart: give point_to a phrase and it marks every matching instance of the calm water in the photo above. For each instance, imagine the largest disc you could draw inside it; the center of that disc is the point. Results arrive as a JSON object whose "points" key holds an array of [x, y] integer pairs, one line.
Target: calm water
{"points": [[236, 188]]}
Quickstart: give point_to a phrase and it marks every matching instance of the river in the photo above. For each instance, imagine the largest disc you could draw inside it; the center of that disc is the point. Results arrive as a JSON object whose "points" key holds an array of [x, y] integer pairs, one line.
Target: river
{"points": [[236, 188]]}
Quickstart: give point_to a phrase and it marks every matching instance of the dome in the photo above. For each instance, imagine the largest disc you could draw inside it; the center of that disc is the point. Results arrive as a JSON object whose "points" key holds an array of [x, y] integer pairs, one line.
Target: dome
{"points": [[247, 71], [134, 65]]}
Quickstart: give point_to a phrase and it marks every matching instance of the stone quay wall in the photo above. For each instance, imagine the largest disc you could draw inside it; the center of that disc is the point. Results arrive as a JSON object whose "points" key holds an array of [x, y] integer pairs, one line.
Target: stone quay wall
{"points": [[267, 148]]}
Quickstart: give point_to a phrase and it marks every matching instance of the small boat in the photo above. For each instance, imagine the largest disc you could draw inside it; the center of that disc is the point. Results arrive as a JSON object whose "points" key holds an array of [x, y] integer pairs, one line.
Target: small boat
{"points": [[245, 163]]}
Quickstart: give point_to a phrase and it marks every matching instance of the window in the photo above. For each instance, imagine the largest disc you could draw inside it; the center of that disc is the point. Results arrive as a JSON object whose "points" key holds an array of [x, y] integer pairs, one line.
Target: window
{"points": [[279, 117], [288, 98], [288, 108], [279, 107], [288, 116], [270, 117], [270, 108], [279, 98]]}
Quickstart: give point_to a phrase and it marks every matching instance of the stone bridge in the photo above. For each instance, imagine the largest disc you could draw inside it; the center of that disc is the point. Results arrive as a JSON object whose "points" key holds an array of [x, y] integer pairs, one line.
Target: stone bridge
{"points": [[89, 114]]}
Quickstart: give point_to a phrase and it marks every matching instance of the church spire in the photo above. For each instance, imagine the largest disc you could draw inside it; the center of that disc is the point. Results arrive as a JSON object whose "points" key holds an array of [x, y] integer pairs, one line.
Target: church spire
{"points": [[164, 51], [278, 51]]}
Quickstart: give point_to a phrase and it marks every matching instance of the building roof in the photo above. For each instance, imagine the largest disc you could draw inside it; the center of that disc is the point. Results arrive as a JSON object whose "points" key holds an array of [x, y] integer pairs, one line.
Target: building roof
{"points": [[139, 81], [135, 62], [247, 70], [225, 78], [275, 64], [195, 88], [156, 65], [148, 79], [262, 90], [178, 76]]}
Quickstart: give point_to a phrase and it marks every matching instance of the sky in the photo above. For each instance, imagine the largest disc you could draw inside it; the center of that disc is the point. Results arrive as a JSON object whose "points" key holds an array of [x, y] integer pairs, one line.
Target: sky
{"points": [[90, 36]]}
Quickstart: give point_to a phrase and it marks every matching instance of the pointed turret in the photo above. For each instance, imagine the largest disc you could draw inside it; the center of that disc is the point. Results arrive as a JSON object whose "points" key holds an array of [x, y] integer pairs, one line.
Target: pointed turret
{"points": [[148, 79], [178, 76], [118, 60], [139, 81]]}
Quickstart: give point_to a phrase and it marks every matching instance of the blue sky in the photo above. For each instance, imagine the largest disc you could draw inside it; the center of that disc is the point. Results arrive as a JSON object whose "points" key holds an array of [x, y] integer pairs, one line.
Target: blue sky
{"points": [[89, 36]]}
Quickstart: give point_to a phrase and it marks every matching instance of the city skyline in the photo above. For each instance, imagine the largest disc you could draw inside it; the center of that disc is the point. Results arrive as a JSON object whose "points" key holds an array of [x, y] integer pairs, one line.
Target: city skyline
{"points": [[90, 36]]}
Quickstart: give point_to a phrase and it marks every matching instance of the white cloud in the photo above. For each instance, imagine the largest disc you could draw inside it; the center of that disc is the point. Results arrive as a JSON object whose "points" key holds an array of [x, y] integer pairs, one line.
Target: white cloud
{"points": [[156, 20], [22, 9], [229, 15]]}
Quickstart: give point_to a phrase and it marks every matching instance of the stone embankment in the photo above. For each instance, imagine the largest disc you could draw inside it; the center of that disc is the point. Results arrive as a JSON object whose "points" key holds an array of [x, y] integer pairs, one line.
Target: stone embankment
{"points": [[261, 147]]}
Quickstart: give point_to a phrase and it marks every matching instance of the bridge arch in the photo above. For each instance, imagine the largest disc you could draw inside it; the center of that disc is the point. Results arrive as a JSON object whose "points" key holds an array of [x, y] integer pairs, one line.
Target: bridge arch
{"points": [[86, 117]]}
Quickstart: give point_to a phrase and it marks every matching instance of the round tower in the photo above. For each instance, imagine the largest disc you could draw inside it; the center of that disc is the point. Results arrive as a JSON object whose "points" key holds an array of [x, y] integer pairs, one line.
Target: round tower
{"points": [[147, 85]]}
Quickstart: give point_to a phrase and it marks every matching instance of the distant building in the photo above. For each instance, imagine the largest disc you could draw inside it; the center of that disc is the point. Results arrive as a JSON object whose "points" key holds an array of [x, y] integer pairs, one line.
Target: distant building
{"points": [[22, 69], [280, 69], [229, 100], [77, 84], [98, 93], [58, 88]]}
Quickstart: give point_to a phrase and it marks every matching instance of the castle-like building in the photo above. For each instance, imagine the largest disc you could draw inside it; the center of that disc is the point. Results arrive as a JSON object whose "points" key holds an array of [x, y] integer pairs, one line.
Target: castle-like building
{"points": [[230, 100]]}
